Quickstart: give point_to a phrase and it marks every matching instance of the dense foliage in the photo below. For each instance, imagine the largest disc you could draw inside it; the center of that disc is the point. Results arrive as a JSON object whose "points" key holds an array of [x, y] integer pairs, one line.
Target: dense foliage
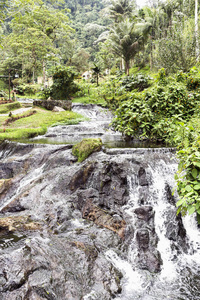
{"points": [[63, 84]]}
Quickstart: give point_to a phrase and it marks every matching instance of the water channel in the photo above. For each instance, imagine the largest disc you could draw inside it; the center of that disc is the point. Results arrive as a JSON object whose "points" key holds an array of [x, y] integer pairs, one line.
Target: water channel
{"points": [[105, 228]]}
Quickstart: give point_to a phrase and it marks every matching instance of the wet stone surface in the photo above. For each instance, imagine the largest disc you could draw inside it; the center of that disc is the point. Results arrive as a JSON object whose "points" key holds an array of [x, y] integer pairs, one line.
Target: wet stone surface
{"points": [[59, 219]]}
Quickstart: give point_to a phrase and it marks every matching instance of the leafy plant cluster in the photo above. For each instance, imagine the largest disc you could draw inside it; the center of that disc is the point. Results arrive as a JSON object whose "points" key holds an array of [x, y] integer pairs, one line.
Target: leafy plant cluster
{"points": [[63, 86], [3, 95], [137, 82], [28, 89], [188, 176], [150, 114]]}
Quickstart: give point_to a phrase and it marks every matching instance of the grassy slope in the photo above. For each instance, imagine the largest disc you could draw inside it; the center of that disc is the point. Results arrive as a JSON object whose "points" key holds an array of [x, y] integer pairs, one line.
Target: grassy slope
{"points": [[36, 124]]}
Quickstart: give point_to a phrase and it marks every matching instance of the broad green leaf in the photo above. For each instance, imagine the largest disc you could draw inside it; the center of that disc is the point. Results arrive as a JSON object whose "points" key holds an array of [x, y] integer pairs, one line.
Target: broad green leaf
{"points": [[196, 164], [180, 202], [197, 187], [191, 210], [188, 188], [194, 173], [197, 205]]}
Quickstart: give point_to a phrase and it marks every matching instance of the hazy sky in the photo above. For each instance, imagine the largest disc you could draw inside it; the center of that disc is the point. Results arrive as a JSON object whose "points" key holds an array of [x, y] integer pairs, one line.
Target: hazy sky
{"points": [[141, 2]]}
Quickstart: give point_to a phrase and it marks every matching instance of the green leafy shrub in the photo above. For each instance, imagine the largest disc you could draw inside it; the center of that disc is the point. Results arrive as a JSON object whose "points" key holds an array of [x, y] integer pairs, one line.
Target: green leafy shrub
{"points": [[172, 100], [29, 89], [138, 82], [161, 77], [188, 175], [3, 94], [133, 117], [45, 93], [193, 82], [63, 83], [181, 76], [149, 114], [86, 147]]}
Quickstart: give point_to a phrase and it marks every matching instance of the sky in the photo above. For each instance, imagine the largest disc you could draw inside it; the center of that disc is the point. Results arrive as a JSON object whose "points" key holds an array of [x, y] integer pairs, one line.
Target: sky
{"points": [[141, 3]]}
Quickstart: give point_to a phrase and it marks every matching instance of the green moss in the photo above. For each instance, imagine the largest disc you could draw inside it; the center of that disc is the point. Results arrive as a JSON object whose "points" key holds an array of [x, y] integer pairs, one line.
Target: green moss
{"points": [[86, 147]]}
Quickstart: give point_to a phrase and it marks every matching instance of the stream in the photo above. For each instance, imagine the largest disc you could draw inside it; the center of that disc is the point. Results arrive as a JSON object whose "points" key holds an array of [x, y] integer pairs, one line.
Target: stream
{"points": [[105, 228]]}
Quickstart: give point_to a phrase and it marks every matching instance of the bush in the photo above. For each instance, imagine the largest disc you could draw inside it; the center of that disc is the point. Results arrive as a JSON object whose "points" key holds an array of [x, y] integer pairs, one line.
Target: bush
{"points": [[181, 77], [63, 83], [134, 117], [29, 89], [139, 82], [45, 93], [188, 175], [3, 94], [149, 115], [193, 82]]}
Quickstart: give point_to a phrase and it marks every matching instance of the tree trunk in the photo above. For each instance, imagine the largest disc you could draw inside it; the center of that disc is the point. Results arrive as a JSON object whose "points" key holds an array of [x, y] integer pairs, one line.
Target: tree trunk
{"points": [[151, 56], [97, 79], [33, 75], [196, 30], [44, 72], [127, 68]]}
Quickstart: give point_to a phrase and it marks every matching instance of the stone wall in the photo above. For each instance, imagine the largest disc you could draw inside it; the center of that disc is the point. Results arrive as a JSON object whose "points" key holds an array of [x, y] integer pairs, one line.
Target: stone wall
{"points": [[49, 104]]}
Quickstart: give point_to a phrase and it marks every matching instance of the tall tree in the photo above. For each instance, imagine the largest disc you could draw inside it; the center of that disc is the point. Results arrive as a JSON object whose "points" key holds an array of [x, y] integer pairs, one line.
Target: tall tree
{"points": [[196, 30], [121, 9], [127, 38], [35, 32]]}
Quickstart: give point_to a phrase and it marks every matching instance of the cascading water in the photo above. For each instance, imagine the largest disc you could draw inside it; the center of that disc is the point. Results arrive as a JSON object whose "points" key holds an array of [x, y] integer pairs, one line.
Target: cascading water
{"points": [[179, 274], [105, 228]]}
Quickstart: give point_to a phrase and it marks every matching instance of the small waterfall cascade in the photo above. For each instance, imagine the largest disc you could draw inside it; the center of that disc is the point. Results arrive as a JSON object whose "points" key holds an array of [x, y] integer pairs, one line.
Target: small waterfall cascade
{"points": [[163, 257], [102, 229]]}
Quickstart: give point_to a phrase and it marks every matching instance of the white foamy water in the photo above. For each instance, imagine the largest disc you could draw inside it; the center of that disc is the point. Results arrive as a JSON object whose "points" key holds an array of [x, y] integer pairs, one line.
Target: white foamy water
{"points": [[170, 283], [25, 182], [131, 278]]}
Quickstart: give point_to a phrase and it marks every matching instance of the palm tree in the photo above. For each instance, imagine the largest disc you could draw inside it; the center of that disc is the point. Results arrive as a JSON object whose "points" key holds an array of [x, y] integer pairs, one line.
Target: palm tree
{"points": [[127, 39], [121, 9]]}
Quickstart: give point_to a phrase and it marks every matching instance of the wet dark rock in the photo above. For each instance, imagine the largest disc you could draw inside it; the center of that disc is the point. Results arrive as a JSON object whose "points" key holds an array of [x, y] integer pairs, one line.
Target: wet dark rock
{"points": [[169, 195], [80, 178], [175, 230], [101, 218], [112, 185], [146, 240], [142, 238], [81, 212], [150, 261], [50, 104], [144, 213], [142, 177]]}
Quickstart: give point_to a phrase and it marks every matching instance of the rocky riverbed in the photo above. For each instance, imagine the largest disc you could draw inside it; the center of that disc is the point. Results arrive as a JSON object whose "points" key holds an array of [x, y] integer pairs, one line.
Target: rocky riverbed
{"points": [[105, 228]]}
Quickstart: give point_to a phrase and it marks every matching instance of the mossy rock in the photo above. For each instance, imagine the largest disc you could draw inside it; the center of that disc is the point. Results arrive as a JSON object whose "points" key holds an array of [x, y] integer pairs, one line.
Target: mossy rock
{"points": [[86, 147]]}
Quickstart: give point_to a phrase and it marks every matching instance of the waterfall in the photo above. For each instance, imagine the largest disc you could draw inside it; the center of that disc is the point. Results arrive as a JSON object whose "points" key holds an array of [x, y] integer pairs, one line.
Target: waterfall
{"points": [[102, 229], [151, 187]]}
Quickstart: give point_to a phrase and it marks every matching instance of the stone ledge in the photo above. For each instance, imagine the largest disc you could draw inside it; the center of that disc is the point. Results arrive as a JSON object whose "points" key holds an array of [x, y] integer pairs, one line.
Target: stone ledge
{"points": [[50, 104]]}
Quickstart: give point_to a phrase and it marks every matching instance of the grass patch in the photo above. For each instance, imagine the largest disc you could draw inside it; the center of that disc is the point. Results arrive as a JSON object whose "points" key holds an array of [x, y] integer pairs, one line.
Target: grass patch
{"points": [[5, 108], [89, 100], [36, 124], [30, 96], [15, 118]]}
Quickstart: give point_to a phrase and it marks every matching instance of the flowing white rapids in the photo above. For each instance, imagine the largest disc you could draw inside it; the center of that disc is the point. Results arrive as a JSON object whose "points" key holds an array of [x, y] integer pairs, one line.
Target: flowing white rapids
{"points": [[176, 280]]}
